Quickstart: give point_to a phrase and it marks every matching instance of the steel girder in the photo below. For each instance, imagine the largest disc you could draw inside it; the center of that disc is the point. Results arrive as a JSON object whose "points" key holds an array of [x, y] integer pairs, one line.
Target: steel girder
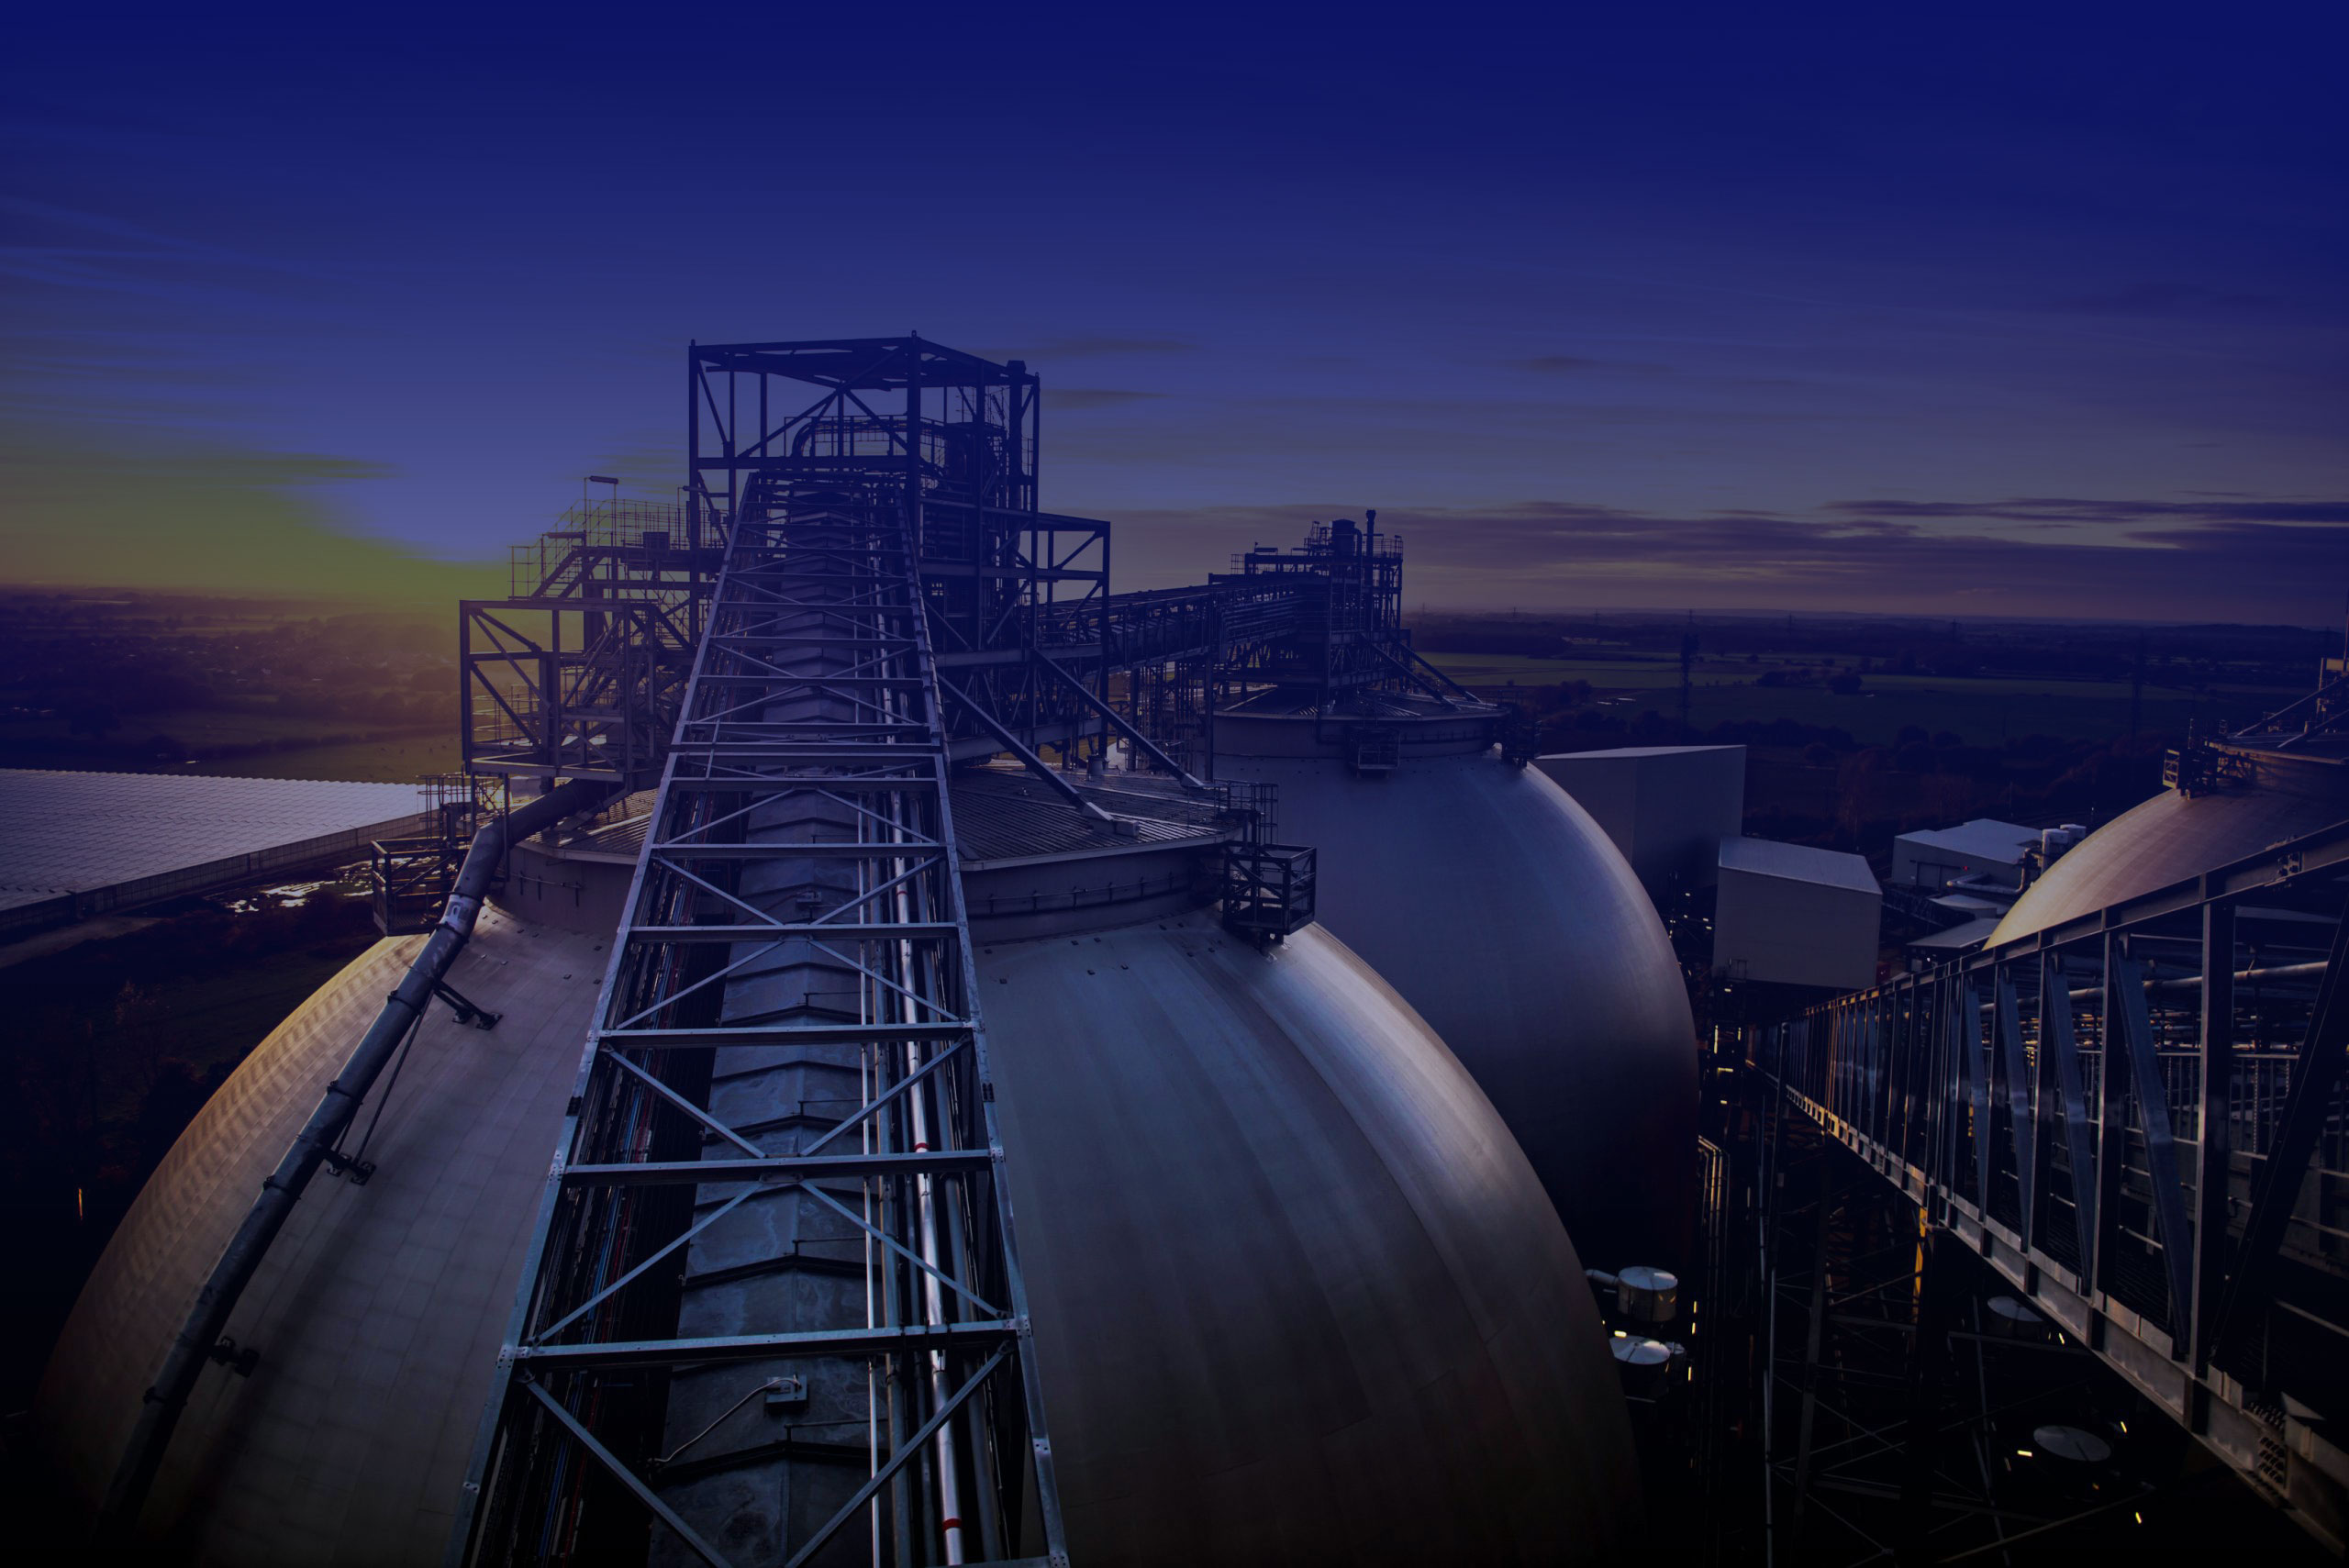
{"points": [[798, 893], [2137, 1117]]}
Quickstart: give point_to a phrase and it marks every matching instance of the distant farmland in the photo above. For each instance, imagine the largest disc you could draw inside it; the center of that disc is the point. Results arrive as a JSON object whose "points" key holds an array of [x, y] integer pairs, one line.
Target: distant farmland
{"points": [[1982, 710]]}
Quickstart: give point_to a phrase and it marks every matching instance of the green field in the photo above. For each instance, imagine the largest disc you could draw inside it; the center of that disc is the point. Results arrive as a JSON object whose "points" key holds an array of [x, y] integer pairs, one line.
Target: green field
{"points": [[398, 759], [1497, 669], [258, 745], [1981, 711]]}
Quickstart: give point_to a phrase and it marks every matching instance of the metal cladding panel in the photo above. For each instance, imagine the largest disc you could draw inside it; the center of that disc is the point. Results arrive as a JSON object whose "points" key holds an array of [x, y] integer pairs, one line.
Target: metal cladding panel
{"points": [[1299, 1296], [1796, 931], [379, 1312], [1502, 913], [1665, 808], [2171, 837]]}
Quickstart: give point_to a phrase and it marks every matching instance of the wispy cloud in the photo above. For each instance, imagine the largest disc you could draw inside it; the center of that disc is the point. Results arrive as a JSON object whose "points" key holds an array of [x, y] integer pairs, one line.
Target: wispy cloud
{"points": [[2157, 298], [1082, 397], [1089, 345], [1577, 366], [2209, 560], [2129, 515]]}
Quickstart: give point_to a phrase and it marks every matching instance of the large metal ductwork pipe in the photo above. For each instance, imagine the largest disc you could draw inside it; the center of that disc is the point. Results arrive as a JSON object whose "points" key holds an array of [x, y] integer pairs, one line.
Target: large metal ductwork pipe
{"points": [[239, 1261]]}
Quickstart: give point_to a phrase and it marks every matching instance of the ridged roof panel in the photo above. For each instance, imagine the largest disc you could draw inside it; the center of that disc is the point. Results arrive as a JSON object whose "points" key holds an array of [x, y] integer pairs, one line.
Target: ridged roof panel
{"points": [[71, 832]]}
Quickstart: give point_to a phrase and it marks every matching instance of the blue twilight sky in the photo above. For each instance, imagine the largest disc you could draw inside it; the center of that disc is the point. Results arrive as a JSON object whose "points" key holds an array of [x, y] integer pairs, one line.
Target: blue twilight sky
{"points": [[1948, 309]]}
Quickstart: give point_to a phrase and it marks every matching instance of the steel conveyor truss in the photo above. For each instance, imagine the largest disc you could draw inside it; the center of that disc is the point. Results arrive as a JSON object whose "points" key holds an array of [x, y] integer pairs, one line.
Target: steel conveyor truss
{"points": [[2140, 1118], [773, 1311]]}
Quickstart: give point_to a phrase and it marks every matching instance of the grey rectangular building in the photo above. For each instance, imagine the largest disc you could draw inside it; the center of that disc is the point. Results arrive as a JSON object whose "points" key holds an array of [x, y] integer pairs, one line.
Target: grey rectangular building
{"points": [[1795, 916], [1666, 808]]}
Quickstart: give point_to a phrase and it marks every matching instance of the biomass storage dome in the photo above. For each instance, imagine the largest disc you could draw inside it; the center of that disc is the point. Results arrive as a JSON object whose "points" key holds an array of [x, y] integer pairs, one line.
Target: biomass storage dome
{"points": [[380, 1307], [1298, 1296], [2250, 799], [1504, 914], [1327, 1315]]}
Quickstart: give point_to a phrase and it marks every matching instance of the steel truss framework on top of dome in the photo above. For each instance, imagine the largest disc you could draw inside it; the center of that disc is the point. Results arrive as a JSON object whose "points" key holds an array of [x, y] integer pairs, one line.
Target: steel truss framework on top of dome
{"points": [[771, 737]]}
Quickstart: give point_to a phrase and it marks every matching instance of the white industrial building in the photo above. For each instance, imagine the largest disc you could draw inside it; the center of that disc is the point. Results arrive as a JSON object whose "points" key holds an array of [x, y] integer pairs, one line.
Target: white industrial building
{"points": [[1796, 916], [1667, 807], [1984, 850]]}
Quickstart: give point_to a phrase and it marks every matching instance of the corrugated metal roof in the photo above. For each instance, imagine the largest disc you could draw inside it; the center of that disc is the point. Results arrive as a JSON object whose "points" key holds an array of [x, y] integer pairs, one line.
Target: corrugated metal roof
{"points": [[1001, 816], [1798, 862], [71, 832]]}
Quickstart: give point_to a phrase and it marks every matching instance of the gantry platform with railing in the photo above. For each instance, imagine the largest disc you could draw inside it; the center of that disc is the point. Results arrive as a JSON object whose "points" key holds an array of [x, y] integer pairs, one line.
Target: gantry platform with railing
{"points": [[2137, 1117]]}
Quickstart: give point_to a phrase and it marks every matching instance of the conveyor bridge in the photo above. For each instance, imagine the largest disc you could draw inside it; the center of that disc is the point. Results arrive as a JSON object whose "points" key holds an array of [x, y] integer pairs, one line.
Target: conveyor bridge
{"points": [[2137, 1117]]}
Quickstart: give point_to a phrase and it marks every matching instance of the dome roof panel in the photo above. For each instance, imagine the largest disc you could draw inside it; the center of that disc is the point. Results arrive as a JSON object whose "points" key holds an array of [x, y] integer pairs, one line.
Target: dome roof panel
{"points": [[1285, 1264], [1505, 917], [2174, 836], [379, 1311]]}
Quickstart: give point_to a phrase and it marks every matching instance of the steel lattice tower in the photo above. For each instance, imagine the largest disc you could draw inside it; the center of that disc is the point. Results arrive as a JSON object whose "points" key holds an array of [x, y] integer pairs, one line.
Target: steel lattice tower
{"points": [[781, 1178]]}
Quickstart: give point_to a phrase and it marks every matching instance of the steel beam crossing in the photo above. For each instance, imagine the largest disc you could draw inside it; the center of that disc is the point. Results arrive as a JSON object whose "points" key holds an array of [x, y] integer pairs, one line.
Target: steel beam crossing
{"points": [[579, 671], [775, 1311], [1322, 623], [2137, 1117], [1004, 582]]}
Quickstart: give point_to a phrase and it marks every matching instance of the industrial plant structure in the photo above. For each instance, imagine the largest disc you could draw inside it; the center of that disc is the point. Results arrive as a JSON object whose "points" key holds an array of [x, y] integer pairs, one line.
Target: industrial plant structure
{"points": [[893, 1052], [1472, 883], [2129, 1104], [979, 1151]]}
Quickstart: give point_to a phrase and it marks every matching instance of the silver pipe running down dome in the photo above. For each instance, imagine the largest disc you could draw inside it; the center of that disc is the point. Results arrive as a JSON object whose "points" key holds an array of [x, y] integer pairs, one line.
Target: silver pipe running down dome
{"points": [[167, 1397]]}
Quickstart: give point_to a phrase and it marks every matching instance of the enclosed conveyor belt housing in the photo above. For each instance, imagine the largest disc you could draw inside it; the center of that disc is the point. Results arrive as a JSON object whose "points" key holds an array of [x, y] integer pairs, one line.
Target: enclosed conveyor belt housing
{"points": [[781, 1182]]}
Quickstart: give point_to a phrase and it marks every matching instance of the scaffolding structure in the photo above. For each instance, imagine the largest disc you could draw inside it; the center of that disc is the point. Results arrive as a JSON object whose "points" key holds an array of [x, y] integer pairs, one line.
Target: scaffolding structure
{"points": [[1014, 596], [1317, 630], [579, 671], [409, 879]]}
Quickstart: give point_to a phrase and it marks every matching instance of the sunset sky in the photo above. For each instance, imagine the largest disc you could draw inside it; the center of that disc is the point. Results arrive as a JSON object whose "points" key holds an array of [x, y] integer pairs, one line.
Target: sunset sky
{"points": [[1948, 310]]}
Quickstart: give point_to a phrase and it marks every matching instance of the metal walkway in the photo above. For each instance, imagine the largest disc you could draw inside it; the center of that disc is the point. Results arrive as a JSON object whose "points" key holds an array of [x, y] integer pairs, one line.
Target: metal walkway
{"points": [[2137, 1117], [797, 922]]}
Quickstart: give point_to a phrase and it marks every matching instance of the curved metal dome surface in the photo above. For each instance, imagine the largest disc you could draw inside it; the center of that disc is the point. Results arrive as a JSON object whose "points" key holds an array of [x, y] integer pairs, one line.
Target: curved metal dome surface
{"points": [[2174, 836], [1286, 1263], [1298, 1296], [1486, 896], [379, 1312]]}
